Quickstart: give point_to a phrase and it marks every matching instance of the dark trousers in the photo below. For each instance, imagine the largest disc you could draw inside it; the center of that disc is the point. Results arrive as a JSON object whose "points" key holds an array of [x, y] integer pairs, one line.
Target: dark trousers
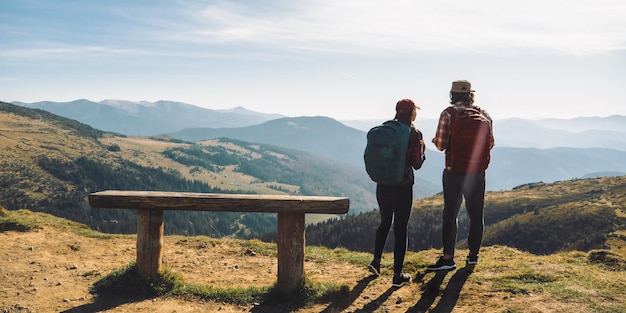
{"points": [[456, 187], [395, 206]]}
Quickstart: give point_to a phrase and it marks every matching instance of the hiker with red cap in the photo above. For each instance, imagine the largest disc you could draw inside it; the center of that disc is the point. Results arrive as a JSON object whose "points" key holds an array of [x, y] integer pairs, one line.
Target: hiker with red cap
{"points": [[395, 195], [465, 133]]}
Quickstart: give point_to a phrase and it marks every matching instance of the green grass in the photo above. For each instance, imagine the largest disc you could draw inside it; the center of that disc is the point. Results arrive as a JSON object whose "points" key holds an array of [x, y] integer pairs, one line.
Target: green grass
{"points": [[593, 279], [262, 248], [127, 281], [524, 283], [26, 220]]}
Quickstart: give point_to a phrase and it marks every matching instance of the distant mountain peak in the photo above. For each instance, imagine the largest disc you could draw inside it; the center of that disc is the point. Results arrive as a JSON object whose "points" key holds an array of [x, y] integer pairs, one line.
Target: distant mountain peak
{"points": [[243, 111], [118, 102], [237, 109], [135, 107], [128, 106]]}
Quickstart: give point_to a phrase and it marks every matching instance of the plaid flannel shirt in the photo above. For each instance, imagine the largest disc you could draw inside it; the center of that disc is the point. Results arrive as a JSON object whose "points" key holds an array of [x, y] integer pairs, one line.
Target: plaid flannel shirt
{"points": [[417, 148]]}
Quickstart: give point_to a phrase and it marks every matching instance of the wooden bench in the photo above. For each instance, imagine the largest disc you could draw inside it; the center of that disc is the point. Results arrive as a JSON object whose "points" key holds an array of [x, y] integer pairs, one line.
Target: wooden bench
{"points": [[291, 211]]}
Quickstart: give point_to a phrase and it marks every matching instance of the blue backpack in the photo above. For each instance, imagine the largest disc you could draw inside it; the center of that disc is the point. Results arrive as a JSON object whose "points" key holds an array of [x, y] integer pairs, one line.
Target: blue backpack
{"points": [[385, 152]]}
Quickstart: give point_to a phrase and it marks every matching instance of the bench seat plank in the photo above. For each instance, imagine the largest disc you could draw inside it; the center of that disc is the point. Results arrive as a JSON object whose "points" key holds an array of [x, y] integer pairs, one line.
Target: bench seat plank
{"points": [[190, 201]]}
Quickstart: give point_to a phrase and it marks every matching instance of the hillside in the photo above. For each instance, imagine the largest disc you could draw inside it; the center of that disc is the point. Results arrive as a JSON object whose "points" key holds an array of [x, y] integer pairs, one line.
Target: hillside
{"points": [[50, 164], [49, 265], [540, 218], [322, 135], [526, 150], [318, 135]]}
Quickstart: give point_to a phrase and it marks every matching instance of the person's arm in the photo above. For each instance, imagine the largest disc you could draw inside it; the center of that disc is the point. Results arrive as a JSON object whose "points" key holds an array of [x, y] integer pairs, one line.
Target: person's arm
{"points": [[492, 141], [417, 150], [442, 136]]}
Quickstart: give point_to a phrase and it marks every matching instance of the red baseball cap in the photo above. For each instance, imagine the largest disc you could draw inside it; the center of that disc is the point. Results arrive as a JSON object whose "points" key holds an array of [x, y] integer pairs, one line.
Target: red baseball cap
{"points": [[405, 106]]}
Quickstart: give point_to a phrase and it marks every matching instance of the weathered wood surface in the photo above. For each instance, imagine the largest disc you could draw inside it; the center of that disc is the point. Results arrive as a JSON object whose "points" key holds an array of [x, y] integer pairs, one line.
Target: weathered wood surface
{"points": [[290, 245], [159, 200], [149, 242]]}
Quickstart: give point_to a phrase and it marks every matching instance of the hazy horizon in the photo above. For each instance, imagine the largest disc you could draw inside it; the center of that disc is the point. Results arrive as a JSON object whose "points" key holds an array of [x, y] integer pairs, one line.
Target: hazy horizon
{"points": [[104, 101]]}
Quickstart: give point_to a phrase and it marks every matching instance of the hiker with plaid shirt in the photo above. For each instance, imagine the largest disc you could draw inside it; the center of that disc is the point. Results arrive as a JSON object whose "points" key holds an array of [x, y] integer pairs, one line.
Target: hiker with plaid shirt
{"points": [[464, 174]]}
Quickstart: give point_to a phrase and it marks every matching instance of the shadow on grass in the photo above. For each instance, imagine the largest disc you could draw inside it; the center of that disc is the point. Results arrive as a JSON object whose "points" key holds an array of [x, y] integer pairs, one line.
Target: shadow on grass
{"points": [[125, 285], [449, 296], [103, 303], [344, 302], [120, 287], [376, 303], [431, 291], [339, 297]]}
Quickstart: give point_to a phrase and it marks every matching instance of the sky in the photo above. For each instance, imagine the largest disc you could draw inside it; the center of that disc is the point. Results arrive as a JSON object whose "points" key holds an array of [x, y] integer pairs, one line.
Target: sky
{"points": [[348, 59]]}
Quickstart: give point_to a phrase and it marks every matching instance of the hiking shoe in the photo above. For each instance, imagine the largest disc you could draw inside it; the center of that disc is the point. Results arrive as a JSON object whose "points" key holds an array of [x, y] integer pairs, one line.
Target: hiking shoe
{"points": [[374, 268], [471, 260], [442, 265], [400, 279]]}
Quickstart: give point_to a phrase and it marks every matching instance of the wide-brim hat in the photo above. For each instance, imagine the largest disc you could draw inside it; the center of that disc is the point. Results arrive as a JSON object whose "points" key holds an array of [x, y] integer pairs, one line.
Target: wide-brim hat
{"points": [[461, 86]]}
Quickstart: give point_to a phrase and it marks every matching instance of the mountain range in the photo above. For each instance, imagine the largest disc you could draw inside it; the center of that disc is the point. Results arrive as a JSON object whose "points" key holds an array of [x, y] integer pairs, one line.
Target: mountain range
{"points": [[51, 163], [145, 118], [155, 118], [526, 150], [581, 132]]}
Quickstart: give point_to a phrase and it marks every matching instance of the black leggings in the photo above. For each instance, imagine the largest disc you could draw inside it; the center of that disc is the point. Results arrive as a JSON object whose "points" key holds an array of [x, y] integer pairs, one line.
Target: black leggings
{"points": [[395, 205]]}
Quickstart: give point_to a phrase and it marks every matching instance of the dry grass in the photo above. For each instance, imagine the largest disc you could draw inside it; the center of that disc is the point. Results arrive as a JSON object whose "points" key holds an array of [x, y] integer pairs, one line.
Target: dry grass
{"points": [[148, 152], [45, 275]]}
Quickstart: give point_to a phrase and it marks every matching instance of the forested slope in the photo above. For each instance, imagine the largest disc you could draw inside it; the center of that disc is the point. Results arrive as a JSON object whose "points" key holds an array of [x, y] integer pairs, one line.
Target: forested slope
{"points": [[50, 164], [541, 218]]}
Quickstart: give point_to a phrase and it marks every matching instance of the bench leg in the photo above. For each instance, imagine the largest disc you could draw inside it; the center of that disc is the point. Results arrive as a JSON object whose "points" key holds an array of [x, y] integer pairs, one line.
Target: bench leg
{"points": [[149, 242], [290, 246]]}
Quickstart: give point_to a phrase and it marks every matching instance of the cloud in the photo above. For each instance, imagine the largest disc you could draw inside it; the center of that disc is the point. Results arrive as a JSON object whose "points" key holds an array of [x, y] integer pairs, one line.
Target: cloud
{"points": [[352, 26], [281, 28]]}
